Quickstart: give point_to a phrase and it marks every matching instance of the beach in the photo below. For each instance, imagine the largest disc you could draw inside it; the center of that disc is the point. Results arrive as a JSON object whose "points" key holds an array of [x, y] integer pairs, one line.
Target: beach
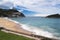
{"points": [[11, 26]]}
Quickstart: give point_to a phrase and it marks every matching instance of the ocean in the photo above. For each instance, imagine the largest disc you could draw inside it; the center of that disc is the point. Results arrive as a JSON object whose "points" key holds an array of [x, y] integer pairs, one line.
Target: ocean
{"points": [[48, 27]]}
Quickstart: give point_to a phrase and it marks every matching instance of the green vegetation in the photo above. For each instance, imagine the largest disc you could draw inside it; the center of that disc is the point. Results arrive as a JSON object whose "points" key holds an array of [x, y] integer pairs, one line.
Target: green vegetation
{"points": [[54, 16], [9, 36], [10, 13]]}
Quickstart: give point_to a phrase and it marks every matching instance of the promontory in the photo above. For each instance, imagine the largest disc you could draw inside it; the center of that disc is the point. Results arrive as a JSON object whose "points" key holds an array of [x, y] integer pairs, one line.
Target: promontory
{"points": [[10, 13], [53, 16]]}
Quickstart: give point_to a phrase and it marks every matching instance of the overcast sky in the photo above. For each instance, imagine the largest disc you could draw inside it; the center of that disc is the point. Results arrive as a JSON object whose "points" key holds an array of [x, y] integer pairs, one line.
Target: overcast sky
{"points": [[33, 7]]}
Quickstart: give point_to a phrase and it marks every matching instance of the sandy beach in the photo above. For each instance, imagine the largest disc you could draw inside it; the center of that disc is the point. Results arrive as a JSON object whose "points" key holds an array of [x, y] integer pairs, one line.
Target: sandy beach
{"points": [[15, 27], [12, 26]]}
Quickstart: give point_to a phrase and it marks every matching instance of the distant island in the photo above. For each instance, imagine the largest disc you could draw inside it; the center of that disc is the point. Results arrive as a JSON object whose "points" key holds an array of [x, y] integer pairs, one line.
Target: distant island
{"points": [[10, 13], [53, 16]]}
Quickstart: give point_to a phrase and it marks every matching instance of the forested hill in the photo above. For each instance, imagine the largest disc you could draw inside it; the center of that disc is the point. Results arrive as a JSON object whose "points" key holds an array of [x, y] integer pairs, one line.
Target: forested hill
{"points": [[10, 13]]}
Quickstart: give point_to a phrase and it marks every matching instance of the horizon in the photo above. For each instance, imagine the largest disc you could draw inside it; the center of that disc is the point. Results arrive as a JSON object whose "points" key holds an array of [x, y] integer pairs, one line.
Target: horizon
{"points": [[33, 7]]}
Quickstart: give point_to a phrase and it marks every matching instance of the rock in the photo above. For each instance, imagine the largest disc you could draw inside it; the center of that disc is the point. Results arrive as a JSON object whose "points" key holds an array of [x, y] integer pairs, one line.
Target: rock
{"points": [[54, 16], [10, 13]]}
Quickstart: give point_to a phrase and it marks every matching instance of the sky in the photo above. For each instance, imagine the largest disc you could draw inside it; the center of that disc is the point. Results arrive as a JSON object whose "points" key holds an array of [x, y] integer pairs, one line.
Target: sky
{"points": [[33, 7]]}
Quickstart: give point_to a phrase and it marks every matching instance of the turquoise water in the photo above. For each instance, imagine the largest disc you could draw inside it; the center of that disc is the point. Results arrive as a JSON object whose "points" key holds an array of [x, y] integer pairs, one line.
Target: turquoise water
{"points": [[49, 25]]}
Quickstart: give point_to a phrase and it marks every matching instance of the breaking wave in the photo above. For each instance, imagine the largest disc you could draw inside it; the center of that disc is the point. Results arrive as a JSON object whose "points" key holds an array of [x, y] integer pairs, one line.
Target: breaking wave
{"points": [[35, 30]]}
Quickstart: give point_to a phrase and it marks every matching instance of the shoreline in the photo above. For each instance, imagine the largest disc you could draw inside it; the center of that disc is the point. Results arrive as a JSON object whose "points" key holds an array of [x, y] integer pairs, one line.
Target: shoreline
{"points": [[15, 26], [12, 25]]}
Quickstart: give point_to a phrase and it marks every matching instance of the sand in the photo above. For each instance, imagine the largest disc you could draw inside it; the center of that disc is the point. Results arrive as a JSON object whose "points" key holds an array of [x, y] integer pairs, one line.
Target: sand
{"points": [[12, 26]]}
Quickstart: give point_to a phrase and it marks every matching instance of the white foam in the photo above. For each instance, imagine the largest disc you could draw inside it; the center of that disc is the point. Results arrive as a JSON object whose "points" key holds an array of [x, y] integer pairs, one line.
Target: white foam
{"points": [[38, 31], [35, 30]]}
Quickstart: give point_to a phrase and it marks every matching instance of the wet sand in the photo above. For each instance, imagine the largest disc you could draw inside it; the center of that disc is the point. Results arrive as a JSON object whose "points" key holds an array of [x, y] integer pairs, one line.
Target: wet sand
{"points": [[12, 26], [15, 27]]}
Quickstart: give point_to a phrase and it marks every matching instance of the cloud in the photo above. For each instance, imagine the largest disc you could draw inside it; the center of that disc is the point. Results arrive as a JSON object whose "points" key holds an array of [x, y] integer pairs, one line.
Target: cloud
{"points": [[42, 15], [29, 13], [6, 4], [39, 6]]}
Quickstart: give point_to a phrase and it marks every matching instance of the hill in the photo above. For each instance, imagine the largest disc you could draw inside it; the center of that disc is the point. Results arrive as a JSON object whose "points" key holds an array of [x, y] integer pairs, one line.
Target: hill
{"points": [[10, 13], [53, 16]]}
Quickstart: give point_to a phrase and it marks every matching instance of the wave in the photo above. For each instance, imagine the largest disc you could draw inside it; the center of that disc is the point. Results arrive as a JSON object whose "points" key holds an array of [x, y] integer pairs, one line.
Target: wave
{"points": [[35, 30], [41, 32]]}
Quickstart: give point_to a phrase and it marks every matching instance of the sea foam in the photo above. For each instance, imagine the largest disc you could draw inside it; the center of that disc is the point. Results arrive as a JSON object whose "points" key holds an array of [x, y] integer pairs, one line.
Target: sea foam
{"points": [[35, 30], [38, 31]]}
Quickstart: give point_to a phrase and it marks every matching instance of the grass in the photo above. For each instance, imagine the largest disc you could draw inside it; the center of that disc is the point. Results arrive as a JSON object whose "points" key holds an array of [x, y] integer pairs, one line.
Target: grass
{"points": [[9, 36]]}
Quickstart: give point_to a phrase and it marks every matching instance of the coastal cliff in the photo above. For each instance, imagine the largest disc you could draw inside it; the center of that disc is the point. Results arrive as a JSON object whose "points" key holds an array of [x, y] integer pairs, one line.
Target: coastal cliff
{"points": [[53, 16], [10, 13]]}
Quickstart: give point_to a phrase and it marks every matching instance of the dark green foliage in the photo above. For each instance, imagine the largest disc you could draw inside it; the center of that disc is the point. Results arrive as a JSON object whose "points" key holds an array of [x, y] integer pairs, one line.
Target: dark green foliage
{"points": [[10, 13], [54, 16]]}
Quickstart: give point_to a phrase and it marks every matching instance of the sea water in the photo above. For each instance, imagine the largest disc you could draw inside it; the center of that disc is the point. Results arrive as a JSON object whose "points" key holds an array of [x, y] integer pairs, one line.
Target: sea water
{"points": [[48, 27]]}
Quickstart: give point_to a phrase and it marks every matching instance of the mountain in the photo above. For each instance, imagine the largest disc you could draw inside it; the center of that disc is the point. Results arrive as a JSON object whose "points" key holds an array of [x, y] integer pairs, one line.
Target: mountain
{"points": [[53, 16], [10, 13]]}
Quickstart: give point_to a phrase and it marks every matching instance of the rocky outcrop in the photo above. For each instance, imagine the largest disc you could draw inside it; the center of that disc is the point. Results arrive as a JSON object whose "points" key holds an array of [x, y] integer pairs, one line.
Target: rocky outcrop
{"points": [[10, 13], [54, 16]]}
